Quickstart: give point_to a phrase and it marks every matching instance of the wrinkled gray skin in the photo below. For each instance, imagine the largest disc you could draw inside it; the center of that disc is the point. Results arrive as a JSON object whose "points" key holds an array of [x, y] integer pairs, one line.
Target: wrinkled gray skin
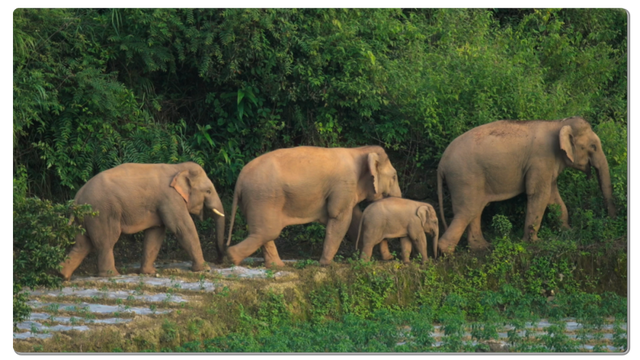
{"points": [[145, 197], [398, 218], [307, 184], [500, 160]]}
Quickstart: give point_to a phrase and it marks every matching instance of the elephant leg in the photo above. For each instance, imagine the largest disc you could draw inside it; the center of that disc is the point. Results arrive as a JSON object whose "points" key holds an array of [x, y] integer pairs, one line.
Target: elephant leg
{"points": [[356, 216], [265, 225], [538, 194], [253, 242], [474, 235], [336, 230], [369, 238], [271, 257], [384, 250], [468, 199], [451, 237], [153, 238], [106, 262], [369, 241], [104, 237], [555, 198], [79, 251], [181, 224], [405, 242]]}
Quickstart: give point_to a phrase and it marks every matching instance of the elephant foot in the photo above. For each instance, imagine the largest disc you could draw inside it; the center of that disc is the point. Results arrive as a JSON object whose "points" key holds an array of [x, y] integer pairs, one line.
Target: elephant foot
{"points": [[234, 257], [446, 248], [479, 245], [387, 257], [65, 277], [325, 262], [200, 267], [273, 263], [530, 238], [108, 273], [272, 259]]}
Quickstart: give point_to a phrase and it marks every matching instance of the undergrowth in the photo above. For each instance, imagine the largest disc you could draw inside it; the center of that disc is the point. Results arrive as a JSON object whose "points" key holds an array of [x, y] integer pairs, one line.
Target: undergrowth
{"points": [[359, 306]]}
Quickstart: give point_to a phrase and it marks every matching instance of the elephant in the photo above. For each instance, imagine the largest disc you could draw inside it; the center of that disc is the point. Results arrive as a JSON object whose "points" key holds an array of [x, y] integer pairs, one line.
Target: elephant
{"points": [[305, 184], [396, 217], [131, 198], [502, 159]]}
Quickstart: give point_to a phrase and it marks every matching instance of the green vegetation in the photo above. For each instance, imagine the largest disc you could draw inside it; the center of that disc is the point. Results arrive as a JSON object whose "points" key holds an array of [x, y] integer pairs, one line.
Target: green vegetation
{"points": [[94, 88], [41, 234]]}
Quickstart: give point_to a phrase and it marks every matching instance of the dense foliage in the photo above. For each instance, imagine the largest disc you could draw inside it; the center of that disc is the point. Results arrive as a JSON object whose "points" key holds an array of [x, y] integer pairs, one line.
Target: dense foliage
{"points": [[94, 88], [41, 234]]}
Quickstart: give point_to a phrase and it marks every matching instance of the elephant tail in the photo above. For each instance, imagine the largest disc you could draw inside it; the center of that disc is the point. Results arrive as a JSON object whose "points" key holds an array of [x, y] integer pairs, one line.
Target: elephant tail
{"points": [[234, 208], [359, 230], [440, 178]]}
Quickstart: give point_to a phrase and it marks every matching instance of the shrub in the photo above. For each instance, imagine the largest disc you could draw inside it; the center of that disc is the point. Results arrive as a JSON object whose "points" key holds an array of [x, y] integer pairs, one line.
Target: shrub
{"points": [[41, 234]]}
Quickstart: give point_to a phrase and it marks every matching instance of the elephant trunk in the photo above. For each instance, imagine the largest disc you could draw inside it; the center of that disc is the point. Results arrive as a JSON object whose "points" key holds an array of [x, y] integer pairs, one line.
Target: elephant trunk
{"points": [[218, 214], [604, 178], [220, 237]]}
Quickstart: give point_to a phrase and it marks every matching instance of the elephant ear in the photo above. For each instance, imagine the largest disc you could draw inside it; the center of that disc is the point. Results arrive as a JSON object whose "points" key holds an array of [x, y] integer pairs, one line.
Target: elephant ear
{"points": [[374, 160], [182, 184], [423, 214], [566, 141]]}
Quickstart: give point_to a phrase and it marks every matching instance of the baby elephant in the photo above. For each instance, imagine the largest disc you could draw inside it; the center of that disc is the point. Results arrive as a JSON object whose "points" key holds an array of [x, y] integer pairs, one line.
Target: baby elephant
{"points": [[398, 218]]}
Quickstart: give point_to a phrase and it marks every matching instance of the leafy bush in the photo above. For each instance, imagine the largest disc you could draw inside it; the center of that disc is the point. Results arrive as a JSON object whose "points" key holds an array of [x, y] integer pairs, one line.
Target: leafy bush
{"points": [[41, 236]]}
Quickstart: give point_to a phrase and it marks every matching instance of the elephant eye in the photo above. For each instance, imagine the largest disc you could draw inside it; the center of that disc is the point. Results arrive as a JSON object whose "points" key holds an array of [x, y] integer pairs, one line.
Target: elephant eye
{"points": [[593, 147], [209, 191]]}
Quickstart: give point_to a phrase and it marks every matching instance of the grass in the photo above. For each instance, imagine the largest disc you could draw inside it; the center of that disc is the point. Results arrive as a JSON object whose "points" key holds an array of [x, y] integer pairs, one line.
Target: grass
{"points": [[357, 306]]}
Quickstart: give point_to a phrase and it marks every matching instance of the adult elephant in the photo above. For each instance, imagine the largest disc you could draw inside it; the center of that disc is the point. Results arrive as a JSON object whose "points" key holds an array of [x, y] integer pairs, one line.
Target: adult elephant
{"points": [[500, 160], [305, 184], [145, 197]]}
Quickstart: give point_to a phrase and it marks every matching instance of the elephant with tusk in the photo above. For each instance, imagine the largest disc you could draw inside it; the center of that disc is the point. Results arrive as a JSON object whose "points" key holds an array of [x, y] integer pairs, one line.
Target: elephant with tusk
{"points": [[145, 197]]}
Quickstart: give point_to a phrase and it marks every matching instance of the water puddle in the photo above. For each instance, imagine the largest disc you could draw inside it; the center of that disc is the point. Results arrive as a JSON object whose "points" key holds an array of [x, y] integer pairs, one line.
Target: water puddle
{"points": [[73, 319], [34, 325], [96, 308], [234, 271], [203, 285], [535, 330], [504, 344], [110, 294], [243, 272], [29, 334]]}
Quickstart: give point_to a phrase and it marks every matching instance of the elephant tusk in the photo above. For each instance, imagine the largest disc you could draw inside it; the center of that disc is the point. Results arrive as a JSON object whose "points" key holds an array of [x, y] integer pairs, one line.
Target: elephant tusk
{"points": [[218, 212]]}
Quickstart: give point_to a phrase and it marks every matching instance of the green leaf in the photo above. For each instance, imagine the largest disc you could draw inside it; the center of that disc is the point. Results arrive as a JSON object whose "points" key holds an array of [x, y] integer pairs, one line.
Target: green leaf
{"points": [[251, 97], [240, 95], [206, 135], [240, 111], [372, 57]]}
